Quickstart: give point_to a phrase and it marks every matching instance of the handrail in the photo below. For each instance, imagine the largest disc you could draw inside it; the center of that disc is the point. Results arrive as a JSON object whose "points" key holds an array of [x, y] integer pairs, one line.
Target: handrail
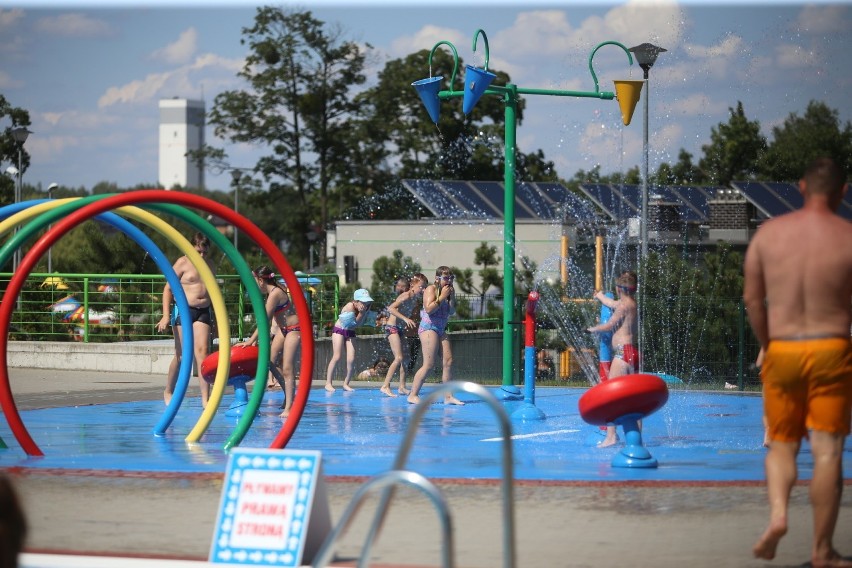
{"points": [[385, 481], [508, 466]]}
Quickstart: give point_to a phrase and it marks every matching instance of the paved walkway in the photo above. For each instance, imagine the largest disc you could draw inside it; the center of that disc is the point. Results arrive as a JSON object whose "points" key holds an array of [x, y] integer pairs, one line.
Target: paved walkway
{"points": [[558, 524]]}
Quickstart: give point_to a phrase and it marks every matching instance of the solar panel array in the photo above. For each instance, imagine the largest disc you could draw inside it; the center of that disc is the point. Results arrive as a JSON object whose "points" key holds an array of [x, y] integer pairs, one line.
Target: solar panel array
{"points": [[622, 201], [773, 198], [552, 201], [485, 200]]}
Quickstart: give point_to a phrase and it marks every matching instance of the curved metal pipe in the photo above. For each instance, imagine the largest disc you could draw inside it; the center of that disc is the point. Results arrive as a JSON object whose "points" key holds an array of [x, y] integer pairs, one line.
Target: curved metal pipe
{"points": [[508, 465], [386, 481]]}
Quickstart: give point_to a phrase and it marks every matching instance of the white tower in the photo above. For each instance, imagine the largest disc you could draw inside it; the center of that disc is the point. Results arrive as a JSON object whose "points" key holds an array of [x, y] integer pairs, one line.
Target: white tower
{"points": [[181, 130]]}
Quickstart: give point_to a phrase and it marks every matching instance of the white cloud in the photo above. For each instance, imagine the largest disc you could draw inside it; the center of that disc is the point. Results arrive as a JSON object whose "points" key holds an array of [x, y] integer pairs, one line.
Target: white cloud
{"points": [[10, 18], [73, 25], [9, 82], [181, 51], [691, 105], [789, 56], [824, 18], [425, 38], [75, 120], [176, 82]]}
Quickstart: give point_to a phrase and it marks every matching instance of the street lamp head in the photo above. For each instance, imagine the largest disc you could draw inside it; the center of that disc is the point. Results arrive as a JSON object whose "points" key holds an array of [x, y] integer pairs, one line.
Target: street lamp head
{"points": [[20, 134], [646, 54], [52, 186], [12, 171], [236, 175]]}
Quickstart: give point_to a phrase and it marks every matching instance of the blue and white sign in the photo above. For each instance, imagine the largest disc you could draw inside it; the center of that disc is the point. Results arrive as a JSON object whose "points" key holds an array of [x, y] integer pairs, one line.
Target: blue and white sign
{"points": [[265, 515]]}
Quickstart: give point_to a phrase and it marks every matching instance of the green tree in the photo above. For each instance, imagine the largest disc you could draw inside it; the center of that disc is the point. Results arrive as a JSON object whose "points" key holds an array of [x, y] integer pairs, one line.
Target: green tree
{"points": [[684, 172], [799, 140], [734, 149], [18, 118], [461, 147], [299, 104], [387, 270]]}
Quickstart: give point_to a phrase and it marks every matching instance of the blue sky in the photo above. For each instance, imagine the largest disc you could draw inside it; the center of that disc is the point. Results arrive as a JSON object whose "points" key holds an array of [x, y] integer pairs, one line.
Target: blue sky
{"points": [[91, 74]]}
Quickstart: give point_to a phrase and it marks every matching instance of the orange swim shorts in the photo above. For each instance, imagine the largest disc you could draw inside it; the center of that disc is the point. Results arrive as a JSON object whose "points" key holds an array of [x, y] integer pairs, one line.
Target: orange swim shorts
{"points": [[807, 385]]}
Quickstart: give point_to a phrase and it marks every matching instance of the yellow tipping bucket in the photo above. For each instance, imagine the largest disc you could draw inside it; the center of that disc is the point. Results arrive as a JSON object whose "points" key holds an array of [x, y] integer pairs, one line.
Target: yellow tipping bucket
{"points": [[627, 93]]}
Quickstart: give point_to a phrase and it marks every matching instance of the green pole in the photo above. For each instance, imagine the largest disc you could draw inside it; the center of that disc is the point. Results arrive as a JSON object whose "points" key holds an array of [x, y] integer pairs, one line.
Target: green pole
{"points": [[511, 100]]}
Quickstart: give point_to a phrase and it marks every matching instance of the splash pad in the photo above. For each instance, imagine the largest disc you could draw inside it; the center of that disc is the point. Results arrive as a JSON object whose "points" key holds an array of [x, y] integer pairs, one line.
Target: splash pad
{"points": [[697, 437]]}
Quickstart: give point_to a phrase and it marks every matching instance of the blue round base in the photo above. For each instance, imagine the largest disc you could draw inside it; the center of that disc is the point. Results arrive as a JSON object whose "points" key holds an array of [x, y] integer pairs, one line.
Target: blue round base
{"points": [[622, 460], [510, 392], [527, 413]]}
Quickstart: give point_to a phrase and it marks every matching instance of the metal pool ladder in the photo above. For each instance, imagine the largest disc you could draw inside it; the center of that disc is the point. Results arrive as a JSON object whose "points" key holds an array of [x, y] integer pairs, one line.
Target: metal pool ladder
{"points": [[387, 480]]}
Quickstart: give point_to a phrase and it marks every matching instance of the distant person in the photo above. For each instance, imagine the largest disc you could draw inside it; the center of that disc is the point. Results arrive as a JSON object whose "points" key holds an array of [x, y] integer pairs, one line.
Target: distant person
{"points": [[353, 314], [623, 325], [13, 524], [379, 368], [288, 336], [398, 322], [544, 368], [412, 339], [439, 303], [798, 292], [199, 315]]}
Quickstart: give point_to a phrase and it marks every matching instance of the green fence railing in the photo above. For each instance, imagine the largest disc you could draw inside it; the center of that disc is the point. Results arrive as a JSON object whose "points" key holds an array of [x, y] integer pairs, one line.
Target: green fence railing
{"points": [[704, 343]]}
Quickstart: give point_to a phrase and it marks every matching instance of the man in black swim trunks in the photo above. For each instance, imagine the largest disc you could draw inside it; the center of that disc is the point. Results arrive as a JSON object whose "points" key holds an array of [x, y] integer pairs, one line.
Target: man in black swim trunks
{"points": [[199, 306]]}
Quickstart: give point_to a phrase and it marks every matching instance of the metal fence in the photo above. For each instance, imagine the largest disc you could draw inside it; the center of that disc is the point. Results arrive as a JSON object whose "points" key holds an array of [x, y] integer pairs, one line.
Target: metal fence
{"points": [[102, 308]]}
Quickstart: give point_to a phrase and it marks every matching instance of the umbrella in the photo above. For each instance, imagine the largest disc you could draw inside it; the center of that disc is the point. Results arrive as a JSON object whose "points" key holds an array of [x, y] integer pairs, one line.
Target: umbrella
{"points": [[306, 278]]}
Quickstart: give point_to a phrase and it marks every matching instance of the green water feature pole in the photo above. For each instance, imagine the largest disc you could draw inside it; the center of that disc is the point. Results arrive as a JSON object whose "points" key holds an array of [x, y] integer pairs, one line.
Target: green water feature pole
{"points": [[429, 93]]}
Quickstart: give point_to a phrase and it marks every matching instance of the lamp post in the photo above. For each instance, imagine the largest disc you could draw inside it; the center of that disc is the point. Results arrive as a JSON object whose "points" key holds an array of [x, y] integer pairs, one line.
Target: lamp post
{"points": [[20, 134], [236, 176], [478, 83], [646, 55], [50, 189]]}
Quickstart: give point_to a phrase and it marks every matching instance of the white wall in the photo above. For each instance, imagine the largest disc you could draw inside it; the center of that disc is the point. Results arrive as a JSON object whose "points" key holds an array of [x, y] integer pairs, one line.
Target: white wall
{"points": [[434, 243]]}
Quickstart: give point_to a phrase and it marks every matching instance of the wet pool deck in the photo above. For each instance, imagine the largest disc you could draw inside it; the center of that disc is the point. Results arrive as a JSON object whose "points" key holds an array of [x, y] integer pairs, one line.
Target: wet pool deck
{"points": [[106, 486], [696, 437]]}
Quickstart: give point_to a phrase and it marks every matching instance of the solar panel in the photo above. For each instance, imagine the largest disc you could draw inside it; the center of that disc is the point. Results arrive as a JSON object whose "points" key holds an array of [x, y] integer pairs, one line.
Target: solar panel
{"points": [[845, 209], [530, 197], [608, 200], [632, 194], [694, 200], [572, 205], [465, 193], [765, 200], [788, 193], [438, 203], [493, 192]]}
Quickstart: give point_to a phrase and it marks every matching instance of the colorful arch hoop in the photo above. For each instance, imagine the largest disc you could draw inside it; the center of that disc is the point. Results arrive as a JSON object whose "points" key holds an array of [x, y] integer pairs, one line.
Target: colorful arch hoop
{"points": [[165, 267], [60, 208], [207, 416], [251, 230]]}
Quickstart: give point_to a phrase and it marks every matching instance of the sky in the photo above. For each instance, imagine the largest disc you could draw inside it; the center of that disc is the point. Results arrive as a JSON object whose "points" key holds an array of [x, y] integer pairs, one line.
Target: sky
{"points": [[92, 74]]}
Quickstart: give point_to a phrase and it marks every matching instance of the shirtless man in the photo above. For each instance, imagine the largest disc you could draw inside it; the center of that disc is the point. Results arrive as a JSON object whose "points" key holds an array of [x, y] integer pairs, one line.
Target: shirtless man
{"points": [[798, 292], [199, 304], [622, 323]]}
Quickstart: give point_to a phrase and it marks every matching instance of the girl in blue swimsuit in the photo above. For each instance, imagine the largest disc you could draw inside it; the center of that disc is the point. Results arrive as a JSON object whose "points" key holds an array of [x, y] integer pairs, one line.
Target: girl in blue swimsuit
{"points": [[343, 335], [439, 303]]}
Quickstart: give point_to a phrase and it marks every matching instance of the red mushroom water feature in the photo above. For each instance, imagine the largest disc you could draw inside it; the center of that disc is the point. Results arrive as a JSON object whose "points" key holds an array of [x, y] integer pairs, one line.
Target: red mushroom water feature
{"points": [[625, 400], [243, 369]]}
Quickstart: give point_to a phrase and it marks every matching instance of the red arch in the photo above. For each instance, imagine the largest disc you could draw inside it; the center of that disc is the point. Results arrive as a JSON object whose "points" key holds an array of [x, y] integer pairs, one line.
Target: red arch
{"points": [[7, 402]]}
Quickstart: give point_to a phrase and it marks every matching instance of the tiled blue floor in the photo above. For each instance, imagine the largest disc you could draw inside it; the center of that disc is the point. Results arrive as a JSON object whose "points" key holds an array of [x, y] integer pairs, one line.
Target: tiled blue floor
{"points": [[696, 437]]}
